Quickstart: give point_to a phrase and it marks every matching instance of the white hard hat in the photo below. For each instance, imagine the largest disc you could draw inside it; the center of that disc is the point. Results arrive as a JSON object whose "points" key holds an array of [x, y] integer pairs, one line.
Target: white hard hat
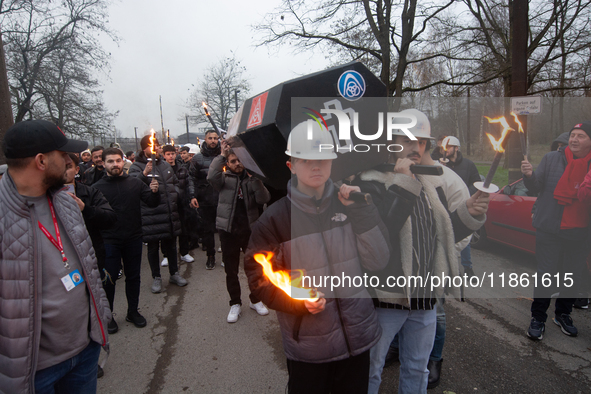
{"points": [[420, 129], [193, 149], [309, 141], [450, 141]]}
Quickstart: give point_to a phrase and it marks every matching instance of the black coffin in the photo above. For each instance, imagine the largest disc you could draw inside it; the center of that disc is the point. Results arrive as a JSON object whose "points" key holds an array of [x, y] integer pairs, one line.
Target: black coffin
{"points": [[259, 131]]}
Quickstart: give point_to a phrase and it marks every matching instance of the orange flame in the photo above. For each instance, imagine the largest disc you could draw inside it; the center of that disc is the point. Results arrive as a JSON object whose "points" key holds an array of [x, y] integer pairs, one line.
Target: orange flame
{"points": [[172, 141], [205, 107], [151, 145], [518, 122], [283, 280], [498, 144], [444, 143]]}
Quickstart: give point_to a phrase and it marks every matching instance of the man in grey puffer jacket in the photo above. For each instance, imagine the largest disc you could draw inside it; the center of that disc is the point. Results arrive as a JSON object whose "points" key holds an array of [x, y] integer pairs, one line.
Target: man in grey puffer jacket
{"points": [[54, 309], [241, 195]]}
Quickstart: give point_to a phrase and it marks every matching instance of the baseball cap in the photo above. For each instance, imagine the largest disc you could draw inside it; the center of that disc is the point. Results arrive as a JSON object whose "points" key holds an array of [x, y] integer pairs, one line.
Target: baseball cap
{"points": [[30, 137]]}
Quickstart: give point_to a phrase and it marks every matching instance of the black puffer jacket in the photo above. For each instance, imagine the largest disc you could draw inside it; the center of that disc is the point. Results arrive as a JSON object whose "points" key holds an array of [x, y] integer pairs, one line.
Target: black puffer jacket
{"points": [[163, 221], [98, 215], [467, 170], [181, 171], [323, 237], [199, 188]]}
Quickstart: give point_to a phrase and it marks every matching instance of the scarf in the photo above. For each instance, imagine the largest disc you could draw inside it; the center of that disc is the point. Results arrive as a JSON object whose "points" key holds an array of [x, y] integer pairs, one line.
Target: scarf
{"points": [[576, 214]]}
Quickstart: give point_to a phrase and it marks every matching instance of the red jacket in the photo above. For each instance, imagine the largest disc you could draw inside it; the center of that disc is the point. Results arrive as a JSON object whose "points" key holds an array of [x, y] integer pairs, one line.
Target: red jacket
{"points": [[584, 193]]}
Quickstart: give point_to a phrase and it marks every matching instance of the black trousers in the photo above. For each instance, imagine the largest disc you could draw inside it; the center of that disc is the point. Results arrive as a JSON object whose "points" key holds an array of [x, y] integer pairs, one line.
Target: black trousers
{"points": [[168, 250], [350, 376], [131, 254], [564, 254], [231, 245], [208, 215]]}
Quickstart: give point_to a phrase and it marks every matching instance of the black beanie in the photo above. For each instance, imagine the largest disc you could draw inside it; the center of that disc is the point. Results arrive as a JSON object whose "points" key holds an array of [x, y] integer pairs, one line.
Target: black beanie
{"points": [[585, 126], [145, 141]]}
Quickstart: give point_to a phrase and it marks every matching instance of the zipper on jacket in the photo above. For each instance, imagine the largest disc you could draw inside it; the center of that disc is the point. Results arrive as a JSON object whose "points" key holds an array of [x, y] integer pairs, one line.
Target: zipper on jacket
{"points": [[36, 310], [336, 300]]}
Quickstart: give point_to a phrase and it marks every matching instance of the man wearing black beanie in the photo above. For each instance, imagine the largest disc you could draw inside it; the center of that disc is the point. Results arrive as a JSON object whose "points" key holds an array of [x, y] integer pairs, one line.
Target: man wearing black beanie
{"points": [[561, 221]]}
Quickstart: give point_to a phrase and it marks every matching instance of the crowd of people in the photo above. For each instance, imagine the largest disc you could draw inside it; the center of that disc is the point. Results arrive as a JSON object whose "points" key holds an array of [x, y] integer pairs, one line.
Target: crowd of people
{"points": [[74, 220]]}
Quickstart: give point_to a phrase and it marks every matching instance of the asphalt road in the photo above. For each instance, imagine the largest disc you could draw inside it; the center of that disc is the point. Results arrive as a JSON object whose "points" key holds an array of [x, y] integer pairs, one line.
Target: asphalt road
{"points": [[188, 346]]}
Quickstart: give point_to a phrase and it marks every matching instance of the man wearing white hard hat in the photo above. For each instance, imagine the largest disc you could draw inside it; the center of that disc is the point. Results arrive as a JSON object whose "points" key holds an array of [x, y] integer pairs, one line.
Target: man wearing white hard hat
{"points": [[318, 229], [423, 235]]}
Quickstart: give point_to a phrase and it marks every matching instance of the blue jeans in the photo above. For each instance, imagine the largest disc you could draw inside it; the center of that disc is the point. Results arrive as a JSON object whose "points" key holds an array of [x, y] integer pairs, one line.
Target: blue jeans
{"points": [[75, 375], [437, 351], [466, 257], [416, 333]]}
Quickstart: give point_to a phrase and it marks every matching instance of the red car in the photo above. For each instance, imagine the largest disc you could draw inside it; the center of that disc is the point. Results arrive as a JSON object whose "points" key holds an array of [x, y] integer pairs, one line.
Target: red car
{"points": [[509, 220]]}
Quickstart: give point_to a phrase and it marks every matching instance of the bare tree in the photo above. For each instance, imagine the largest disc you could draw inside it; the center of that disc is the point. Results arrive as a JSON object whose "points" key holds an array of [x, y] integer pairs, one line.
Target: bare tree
{"points": [[221, 88], [386, 35], [44, 30], [558, 32], [6, 120]]}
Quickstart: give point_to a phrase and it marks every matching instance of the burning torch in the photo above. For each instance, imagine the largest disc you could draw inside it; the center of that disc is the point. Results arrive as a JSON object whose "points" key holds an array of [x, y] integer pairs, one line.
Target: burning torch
{"points": [[521, 136], [152, 157], [486, 186], [444, 144], [210, 119], [290, 284]]}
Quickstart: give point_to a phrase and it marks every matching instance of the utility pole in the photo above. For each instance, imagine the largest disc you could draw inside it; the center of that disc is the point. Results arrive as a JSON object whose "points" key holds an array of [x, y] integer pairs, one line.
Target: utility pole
{"points": [[137, 148], [187, 123], [519, 24], [162, 120]]}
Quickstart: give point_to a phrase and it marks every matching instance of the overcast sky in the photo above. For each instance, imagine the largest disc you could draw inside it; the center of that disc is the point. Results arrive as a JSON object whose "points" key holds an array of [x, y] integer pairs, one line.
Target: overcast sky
{"points": [[166, 46]]}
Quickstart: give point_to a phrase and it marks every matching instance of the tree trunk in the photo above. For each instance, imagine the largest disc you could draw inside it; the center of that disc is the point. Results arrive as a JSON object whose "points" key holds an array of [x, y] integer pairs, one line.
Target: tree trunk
{"points": [[6, 119]]}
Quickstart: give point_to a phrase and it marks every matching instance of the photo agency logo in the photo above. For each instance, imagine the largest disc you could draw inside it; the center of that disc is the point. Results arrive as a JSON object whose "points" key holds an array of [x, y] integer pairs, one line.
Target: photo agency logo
{"points": [[358, 123], [347, 125]]}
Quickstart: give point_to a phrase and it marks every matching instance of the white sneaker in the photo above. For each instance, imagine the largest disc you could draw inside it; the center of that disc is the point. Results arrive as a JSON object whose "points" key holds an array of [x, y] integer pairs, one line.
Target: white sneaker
{"points": [[164, 262], [260, 308], [223, 265], [187, 258], [220, 250], [234, 313]]}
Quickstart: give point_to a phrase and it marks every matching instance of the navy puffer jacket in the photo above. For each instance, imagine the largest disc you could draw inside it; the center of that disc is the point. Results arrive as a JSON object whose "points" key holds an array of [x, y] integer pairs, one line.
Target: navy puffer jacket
{"points": [[163, 221]]}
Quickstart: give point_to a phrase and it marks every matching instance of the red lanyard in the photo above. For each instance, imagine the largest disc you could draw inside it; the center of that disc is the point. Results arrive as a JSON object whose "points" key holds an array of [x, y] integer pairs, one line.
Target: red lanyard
{"points": [[58, 244]]}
